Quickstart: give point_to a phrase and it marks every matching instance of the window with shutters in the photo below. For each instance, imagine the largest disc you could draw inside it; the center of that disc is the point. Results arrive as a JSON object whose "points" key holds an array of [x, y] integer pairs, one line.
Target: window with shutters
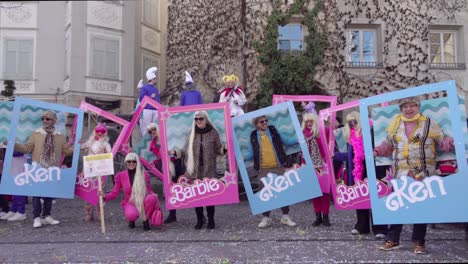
{"points": [[18, 58], [105, 53]]}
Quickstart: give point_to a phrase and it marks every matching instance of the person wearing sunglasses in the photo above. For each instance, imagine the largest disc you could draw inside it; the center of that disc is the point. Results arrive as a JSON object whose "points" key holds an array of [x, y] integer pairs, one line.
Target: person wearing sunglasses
{"points": [[269, 157], [356, 171], [139, 200], [317, 152], [412, 140], [201, 150], [47, 146], [98, 143]]}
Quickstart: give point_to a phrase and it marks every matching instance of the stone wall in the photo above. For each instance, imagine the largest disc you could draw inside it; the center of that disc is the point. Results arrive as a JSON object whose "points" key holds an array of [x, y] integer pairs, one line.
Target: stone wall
{"points": [[213, 38]]}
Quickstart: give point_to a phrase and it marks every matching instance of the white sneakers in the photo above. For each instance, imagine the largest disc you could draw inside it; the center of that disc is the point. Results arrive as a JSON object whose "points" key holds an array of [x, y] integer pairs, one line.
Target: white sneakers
{"points": [[17, 217], [38, 222], [380, 236], [285, 220], [5, 216], [355, 232], [50, 221], [266, 221]]}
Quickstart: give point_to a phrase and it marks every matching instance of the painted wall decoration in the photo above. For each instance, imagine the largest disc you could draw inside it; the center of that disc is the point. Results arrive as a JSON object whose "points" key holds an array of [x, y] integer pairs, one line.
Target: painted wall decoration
{"points": [[35, 180], [323, 173], [87, 188], [297, 183], [348, 193], [415, 201], [176, 124]]}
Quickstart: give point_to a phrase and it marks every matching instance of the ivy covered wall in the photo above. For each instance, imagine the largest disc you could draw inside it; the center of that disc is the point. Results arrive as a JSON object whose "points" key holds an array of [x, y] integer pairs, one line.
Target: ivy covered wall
{"points": [[213, 38]]}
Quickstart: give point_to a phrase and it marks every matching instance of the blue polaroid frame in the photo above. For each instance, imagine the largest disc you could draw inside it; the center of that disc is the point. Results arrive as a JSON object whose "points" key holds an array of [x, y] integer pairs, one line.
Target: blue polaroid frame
{"points": [[434, 200], [309, 186], [63, 188]]}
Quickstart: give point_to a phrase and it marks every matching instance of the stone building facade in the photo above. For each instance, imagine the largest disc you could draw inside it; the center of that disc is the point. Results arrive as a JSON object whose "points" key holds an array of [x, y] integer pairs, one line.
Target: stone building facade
{"points": [[375, 46], [69, 51]]}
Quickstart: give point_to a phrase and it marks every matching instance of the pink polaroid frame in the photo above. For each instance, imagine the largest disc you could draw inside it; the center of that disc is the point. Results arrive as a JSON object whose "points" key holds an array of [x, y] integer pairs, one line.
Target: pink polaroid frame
{"points": [[332, 100], [217, 191], [86, 188], [347, 197], [124, 147]]}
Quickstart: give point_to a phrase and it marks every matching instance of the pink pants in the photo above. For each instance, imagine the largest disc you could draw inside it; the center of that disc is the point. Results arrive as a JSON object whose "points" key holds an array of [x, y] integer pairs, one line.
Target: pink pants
{"points": [[131, 212], [322, 204]]}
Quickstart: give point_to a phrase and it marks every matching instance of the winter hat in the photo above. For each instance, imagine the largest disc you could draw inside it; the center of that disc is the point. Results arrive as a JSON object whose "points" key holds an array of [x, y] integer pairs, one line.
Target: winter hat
{"points": [[140, 84], [50, 114], [151, 73], [188, 77]]}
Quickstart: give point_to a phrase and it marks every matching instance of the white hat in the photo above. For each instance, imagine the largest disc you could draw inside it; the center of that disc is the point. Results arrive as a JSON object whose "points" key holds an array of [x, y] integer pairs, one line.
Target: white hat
{"points": [[151, 73], [188, 77], [140, 84]]}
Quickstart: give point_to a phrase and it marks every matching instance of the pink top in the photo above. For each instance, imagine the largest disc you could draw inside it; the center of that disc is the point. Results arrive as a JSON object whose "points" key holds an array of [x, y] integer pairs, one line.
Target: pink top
{"points": [[122, 181]]}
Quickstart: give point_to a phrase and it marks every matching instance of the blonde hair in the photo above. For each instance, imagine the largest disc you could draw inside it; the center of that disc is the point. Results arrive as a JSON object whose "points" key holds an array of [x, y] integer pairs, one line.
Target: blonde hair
{"points": [[312, 117], [103, 141], [139, 186], [230, 78], [347, 131], [151, 127], [189, 150]]}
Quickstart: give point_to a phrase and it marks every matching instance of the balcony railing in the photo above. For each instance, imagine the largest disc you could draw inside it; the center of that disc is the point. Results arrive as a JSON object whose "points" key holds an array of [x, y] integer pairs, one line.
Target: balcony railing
{"points": [[351, 64], [448, 66]]}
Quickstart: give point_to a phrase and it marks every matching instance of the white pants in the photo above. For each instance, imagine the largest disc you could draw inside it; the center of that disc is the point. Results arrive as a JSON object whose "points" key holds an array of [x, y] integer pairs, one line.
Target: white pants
{"points": [[149, 116]]}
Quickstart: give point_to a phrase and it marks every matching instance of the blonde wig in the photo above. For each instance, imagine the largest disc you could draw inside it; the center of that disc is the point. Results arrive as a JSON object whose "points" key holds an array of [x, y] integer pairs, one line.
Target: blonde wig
{"points": [[139, 186], [347, 131], [189, 150], [151, 127], [103, 140], [312, 117], [230, 78]]}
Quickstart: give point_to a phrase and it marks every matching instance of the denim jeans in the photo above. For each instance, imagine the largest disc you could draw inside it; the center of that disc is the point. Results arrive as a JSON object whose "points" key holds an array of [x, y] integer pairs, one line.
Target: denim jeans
{"points": [[419, 233], [39, 208]]}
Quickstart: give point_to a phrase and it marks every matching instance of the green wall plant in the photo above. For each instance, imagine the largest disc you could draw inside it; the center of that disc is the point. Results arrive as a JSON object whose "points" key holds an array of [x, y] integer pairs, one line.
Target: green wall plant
{"points": [[290, 72]]}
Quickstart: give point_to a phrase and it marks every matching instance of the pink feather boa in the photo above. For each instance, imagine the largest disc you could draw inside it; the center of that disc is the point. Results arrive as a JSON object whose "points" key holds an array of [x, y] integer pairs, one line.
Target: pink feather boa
{"points": [[358, 147]]}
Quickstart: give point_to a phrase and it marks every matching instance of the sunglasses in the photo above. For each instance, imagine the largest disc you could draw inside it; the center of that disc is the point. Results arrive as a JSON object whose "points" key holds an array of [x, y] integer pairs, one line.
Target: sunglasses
{"points": [[131, 161], [199, 119], [263, 121], [352, 122], [100, 131], [45, 118]]}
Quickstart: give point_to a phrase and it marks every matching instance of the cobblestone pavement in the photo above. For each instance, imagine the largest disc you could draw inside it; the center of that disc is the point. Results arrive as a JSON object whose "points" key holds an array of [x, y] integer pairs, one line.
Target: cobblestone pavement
{"points": [[236, 239]]}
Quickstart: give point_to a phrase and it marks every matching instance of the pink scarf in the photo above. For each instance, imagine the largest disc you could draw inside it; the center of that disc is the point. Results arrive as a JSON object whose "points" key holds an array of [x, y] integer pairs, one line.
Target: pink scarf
{"points": [[358, 147]]}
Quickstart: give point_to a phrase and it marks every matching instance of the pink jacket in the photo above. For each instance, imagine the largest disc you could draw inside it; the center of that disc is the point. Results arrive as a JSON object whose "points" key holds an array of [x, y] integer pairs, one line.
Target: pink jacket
{"points": [[122, 181]]}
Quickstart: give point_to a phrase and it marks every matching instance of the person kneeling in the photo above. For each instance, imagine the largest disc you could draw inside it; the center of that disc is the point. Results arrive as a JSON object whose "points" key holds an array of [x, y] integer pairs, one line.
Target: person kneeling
{"points": [[139, 199]]}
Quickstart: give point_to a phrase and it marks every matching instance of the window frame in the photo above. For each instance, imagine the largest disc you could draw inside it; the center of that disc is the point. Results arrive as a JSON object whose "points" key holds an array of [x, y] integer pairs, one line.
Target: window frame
{"points": [[93, 68], [442, 44], [6, 65], [302, 38], [348, 53]]}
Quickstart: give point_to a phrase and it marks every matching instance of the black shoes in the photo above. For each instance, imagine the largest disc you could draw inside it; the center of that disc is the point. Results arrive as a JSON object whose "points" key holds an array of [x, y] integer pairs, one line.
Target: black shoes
{"points": [[326, 221], [318, 219], [171, 218], [211, 223], [146, 225], [200, 223], [131, 224]]}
